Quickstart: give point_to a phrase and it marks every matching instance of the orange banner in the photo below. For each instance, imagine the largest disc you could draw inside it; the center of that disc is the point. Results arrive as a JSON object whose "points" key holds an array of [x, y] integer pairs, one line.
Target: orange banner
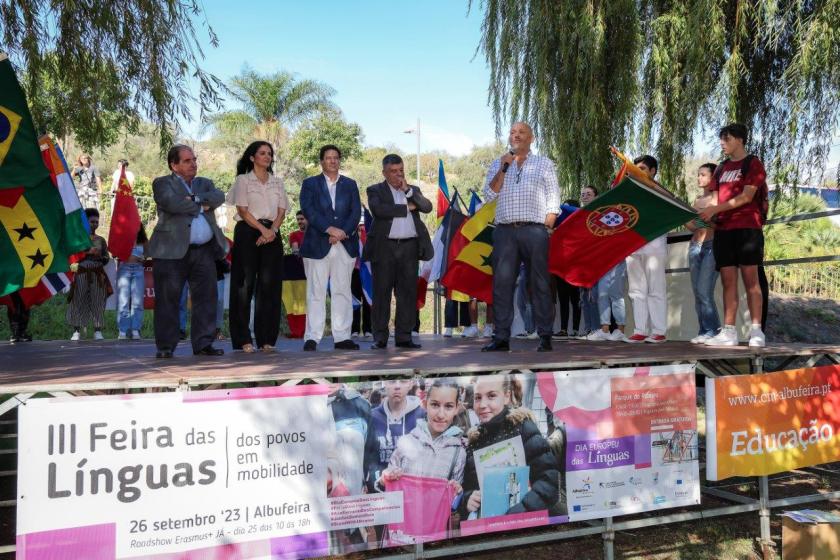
{"points": [[763, 424]]}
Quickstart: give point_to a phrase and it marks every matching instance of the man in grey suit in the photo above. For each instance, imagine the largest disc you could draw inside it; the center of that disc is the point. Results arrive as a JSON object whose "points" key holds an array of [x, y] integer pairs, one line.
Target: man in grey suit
{"points": [[398, 240], [185, 245]]}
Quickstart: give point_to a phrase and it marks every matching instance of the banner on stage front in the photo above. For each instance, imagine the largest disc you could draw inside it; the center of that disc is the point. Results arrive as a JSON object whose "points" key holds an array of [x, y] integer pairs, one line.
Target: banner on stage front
{"points": [[758, 425], [314, 470], [631, 438]]}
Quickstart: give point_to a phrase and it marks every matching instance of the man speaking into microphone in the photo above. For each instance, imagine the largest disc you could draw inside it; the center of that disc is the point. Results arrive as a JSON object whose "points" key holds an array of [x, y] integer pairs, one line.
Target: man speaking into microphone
{"points": [[528, 196]]}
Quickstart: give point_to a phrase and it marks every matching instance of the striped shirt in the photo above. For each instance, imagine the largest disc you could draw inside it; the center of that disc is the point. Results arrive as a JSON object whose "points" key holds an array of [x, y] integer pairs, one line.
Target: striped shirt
{"points": [[528, 193]]}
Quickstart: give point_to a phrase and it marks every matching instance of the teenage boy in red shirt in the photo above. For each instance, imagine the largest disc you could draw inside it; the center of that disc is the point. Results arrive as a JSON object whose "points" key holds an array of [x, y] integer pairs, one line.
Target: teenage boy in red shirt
{"points": [[738, 213]]}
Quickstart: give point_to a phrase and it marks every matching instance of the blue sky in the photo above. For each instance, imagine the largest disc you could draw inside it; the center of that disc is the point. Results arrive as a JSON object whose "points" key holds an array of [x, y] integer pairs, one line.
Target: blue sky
{"points": [[389, 61]]}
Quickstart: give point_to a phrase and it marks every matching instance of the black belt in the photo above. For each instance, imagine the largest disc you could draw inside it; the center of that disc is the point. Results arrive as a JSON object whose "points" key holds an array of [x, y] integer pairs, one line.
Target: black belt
{"points": [[523, 224], [198, 245], [403, 240]]}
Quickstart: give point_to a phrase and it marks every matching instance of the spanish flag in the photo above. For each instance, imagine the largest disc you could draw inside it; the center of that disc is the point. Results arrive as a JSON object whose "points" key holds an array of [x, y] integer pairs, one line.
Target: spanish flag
{"points": [[469, 267], [33, 224], [294, 294]]}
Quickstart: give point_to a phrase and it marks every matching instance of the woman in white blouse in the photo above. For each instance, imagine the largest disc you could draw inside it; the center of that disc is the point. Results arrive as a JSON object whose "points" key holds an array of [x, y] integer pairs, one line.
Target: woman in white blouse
{"points": [[257, 257]]}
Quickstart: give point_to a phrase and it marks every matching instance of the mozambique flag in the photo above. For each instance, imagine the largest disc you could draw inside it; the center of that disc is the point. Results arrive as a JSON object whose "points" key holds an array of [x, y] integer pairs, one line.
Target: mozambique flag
{"points": [[33, 240], [469, 269], [597, 237], [125, 221], [294, 294]]}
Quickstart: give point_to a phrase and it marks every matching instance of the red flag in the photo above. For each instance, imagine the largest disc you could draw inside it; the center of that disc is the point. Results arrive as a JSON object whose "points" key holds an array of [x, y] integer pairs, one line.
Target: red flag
{"points": [[125, 222]]}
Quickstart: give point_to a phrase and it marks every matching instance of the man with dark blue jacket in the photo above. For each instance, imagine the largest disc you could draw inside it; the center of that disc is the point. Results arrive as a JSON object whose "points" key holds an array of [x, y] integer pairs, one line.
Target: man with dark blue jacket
{"points": [[332, 207]]}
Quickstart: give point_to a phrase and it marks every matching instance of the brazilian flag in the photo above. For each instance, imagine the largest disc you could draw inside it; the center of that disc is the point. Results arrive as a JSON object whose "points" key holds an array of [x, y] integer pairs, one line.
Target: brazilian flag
{"points": [[32, 237]]}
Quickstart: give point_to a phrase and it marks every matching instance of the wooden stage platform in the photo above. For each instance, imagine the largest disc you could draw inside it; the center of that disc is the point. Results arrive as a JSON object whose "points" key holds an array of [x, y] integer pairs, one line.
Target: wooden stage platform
{"points": [[71, 366]]}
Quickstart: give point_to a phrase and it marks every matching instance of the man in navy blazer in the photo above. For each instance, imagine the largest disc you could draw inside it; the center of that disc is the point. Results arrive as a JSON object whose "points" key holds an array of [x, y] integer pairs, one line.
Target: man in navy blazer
{"points": [[331, 204]]}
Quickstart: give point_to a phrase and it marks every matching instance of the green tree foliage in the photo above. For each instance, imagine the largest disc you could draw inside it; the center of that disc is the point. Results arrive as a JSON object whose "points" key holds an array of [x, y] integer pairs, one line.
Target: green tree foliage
{"points": [[329, 127], [654, 73], [87, 65], [271, 105]]}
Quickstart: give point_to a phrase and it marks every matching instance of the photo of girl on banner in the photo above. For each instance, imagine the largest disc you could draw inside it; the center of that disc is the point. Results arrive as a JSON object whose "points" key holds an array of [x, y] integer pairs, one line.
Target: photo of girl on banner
{"points": [[506, 447], [428, 467]]}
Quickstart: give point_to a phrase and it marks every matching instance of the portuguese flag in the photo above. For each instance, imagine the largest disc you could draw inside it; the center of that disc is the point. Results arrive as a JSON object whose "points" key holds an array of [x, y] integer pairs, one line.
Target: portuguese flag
{"points": [[468, 259], [599, 236], [33, 240]]}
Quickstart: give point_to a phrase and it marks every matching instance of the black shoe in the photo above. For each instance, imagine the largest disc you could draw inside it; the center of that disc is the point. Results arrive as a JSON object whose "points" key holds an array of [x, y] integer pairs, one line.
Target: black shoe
{"points": [[545, 344], [209, 351], [497, 346], [310, 346], [410, 344], [166, 354], [346, 345], [25, 337], [379, 345], [183, 335]]}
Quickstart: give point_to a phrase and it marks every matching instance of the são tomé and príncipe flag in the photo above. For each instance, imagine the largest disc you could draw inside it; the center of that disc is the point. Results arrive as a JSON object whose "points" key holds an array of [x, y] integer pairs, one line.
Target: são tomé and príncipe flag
{"points": [[33, 240]]}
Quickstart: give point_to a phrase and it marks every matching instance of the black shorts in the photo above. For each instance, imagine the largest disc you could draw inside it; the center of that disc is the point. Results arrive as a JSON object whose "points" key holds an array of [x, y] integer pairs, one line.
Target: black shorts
{"points": [[738, 247]]}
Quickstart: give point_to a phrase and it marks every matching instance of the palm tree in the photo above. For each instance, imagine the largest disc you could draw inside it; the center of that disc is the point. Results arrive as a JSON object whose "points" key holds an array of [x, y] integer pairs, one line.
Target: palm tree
{"points": [[271, 105]]}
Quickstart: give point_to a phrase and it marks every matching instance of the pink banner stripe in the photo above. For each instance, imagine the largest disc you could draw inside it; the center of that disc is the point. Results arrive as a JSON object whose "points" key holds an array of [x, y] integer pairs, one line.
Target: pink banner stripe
{"points": [[504, 523], [257, 393], [230, 551], [93, 542]]}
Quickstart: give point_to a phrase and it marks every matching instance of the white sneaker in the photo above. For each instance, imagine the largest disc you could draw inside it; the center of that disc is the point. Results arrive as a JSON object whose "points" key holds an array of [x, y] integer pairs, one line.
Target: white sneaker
{"points": [[488, 331], [598, 335], [616, 336], [121, 336], [97, 335], [368, 335], [700, 339], [757, 339], [470, 332], [354, 335], [136, 335], [77, 336], [447, 332], [415, 334], [727, 336]]}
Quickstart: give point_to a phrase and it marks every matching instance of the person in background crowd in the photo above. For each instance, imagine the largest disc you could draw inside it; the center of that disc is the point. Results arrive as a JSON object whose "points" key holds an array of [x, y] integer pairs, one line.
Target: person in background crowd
{"points": [[332, 206], [589, 296], [89, 182], [361, 313], [646, 278], [257, 259], [528, 196], [395, 417], [522, 297], [296, 237], [610, 290], [456, 314], [91, 287], [739, 212], [185, 245], [131, 286], [115, 177], [396, 244], [500, 419], [567, 295], [222, 270], [701, 260], [18, 314]]}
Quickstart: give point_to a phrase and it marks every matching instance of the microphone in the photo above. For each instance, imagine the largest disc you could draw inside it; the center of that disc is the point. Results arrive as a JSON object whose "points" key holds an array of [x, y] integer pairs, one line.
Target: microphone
{"points": [[506, 164]]}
